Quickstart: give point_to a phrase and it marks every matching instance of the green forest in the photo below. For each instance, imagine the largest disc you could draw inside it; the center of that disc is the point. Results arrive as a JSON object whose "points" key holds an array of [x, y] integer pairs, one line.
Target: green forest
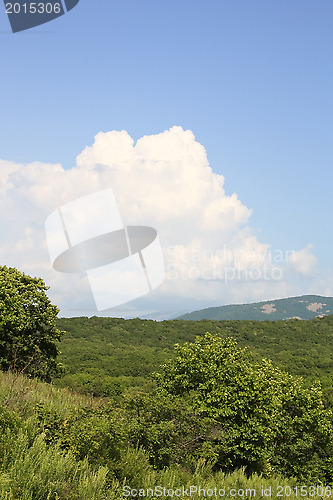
{"points": [[103, 356], [107, 408]]}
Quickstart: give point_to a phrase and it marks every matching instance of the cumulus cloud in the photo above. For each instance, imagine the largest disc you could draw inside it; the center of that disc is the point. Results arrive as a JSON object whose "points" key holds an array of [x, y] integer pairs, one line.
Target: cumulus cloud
{"points": [[163, 181], [304, 262]]}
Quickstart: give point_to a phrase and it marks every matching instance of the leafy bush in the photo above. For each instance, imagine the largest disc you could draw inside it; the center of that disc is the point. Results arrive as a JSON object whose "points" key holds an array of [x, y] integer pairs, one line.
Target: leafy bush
{"points": [[272, 421], [93, 433], [8, 420], [168, 429]]}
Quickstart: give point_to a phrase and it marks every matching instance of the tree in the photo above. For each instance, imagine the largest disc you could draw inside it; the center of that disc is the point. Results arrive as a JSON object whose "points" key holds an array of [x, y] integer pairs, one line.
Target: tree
{"points": [[272, 421], [166, 427], [28, 332]]}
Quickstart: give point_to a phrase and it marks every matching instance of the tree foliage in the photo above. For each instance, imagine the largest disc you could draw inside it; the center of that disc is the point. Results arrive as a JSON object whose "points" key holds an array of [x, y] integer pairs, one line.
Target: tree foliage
{"points": [[272, 421], [167, 428], [28, 331]]}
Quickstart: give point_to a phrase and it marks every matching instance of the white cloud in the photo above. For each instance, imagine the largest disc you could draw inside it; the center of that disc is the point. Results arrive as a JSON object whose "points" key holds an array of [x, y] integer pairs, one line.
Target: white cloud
{"points": [[163, 181], [304, 262]]}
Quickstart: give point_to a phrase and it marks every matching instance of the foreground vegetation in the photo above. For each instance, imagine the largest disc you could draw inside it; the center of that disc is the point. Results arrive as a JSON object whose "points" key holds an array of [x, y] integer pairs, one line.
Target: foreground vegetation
{"points": [[58, 444]]}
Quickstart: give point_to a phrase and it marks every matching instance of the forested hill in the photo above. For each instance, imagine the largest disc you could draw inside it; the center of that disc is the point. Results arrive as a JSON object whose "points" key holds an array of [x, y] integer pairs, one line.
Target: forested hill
{"points": [[303, 307], [105, 355]]}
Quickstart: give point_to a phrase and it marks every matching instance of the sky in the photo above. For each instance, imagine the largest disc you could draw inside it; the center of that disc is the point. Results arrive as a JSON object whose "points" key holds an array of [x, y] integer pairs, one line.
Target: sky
{"points": [[211, 121]]}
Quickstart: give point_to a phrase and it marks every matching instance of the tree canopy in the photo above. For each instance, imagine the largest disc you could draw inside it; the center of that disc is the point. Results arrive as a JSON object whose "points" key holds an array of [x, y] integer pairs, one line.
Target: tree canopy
{"points": [[271, 420], [28, 331]]}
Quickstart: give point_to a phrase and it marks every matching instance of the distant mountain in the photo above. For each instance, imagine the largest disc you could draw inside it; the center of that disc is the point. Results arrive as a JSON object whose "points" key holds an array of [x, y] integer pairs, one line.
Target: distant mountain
{"points": [[303, 307]]}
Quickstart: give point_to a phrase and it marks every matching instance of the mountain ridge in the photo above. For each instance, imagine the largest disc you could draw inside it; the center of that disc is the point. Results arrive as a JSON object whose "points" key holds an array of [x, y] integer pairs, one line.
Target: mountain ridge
{"points": [[300, 307]]}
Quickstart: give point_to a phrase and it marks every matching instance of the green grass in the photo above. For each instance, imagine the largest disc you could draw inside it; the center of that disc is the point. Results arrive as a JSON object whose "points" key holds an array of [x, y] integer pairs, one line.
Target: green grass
{"points": [[31, 470]]}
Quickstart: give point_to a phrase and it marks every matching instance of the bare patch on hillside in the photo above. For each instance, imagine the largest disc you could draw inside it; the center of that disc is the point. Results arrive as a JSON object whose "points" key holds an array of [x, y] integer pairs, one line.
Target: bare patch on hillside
{"points": [[315, 306], [268, 308]]}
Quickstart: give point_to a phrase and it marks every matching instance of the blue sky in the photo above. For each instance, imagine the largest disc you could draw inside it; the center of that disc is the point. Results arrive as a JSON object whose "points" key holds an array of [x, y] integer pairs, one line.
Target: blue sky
{"points": [[251, 80]]}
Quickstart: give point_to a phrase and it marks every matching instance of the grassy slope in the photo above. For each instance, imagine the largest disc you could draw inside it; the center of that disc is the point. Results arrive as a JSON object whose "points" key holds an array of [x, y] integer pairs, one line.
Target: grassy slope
{"points": [[31, 468]]}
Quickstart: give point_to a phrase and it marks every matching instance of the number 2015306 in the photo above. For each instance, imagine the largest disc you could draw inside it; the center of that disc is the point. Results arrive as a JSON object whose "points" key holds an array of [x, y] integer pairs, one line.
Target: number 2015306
{"points": [[33, 8]]}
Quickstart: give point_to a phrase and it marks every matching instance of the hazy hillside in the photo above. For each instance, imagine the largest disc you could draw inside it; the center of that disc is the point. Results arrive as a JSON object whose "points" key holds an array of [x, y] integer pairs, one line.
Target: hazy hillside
{"points": [[303, 307]]}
